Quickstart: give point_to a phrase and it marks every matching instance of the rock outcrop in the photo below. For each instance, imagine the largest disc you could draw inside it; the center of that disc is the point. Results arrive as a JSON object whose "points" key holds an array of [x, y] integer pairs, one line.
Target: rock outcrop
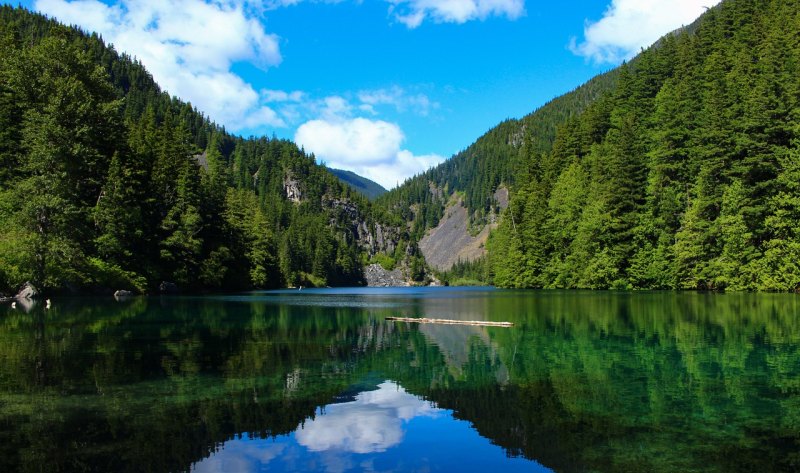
{"points": [[377, 276], [451, 240], [291, 187], [27, 292], [371, 237]]}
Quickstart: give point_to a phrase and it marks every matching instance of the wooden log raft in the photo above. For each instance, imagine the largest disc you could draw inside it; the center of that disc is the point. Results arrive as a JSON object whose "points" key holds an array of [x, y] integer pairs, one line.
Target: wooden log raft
{"points": [[425, 320]]}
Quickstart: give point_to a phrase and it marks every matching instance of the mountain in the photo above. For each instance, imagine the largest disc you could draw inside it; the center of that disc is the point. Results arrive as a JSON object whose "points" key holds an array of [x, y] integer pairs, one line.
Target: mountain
{"points": [[107, 182], [470, 189], [678, 170], [675, 170], [371, 189], [683, 176]]}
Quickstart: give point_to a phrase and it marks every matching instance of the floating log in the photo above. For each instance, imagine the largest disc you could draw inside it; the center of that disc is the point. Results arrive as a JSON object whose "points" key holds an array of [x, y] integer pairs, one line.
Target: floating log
{"points": [[425, 320]]}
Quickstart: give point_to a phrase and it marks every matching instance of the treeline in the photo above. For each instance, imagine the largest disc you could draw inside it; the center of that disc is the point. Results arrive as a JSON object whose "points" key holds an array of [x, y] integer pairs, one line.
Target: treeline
{"points": [[686, 175], [108, 182], [467, 273]]}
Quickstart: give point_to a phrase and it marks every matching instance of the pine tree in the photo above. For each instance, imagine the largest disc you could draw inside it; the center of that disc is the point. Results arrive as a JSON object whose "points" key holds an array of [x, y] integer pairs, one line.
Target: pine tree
{"points": [[69, 132], [181, 247], [118, 216]]}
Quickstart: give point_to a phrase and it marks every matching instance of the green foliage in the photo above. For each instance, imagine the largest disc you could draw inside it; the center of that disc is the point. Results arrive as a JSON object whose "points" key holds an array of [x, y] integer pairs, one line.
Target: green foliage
{"points": [[677, 170], [372, 190], [416, 268], [683, 175], [387, 262], [104, 274], [105, 179], [467, 273], [500, 157]]}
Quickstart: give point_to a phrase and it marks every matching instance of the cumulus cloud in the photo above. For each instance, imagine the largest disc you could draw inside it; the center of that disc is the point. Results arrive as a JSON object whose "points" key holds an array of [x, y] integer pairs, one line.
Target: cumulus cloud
{"points": [[355, 142], [371, 423], [189, 46], [629, 25], [413, 12], [371, 148]]}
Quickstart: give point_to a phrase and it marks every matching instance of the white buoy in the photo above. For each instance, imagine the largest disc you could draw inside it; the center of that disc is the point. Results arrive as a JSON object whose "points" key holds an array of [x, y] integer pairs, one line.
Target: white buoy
{"points": [[47, 304], [13, 305]]}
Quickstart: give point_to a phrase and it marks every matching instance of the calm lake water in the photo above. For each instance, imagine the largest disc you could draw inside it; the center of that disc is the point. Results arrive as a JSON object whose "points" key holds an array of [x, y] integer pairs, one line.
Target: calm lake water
{"points": [[318, 380]]}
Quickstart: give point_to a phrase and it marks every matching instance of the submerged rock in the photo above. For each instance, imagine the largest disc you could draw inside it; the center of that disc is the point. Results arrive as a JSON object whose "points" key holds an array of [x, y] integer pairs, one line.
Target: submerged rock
{"points": [[167, 287], [122, 293]]}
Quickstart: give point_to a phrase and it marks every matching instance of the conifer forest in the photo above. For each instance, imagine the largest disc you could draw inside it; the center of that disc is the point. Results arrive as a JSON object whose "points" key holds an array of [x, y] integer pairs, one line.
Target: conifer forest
{"points": [[679, 169]]}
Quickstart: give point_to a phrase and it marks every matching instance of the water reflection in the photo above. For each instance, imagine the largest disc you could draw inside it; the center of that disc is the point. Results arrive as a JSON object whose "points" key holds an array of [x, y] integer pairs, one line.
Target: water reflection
{"points": [[384, 429], [585, 381], [370, 423]]}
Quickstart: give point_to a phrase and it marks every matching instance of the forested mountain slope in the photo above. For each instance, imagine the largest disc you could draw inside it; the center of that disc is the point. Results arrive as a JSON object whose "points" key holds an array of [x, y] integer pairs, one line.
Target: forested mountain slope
{"points": [[680, 169], [108, 182], [371, 189], [686, 175], [493, 160]]}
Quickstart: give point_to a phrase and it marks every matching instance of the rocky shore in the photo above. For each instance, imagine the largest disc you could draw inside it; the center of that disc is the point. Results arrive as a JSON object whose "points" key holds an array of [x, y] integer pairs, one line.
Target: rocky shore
{"points": [[377, 276]]}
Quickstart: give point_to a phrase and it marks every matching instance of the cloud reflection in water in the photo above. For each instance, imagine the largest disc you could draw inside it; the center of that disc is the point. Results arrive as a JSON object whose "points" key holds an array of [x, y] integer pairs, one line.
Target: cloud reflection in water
{"points": [[384, 430], [371, 423]]}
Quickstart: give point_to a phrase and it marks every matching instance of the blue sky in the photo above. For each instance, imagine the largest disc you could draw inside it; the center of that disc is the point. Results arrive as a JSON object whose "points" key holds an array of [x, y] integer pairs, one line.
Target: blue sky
{"points": [[385, 88]]}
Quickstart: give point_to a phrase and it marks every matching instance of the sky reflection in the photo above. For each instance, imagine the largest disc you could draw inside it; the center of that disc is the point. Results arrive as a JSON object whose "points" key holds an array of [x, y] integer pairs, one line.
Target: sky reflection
{"points": [[383, 430]]}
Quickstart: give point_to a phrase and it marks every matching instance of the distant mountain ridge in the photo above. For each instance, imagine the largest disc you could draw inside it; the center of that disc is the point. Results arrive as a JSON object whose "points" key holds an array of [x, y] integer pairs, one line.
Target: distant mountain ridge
{"points": [[371, 189]]}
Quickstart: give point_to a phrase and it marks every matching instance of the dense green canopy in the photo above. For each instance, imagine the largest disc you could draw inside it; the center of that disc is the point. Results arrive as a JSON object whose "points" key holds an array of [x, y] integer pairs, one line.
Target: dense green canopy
{"points": [[685, 175], [677, 170], [108, 182]]}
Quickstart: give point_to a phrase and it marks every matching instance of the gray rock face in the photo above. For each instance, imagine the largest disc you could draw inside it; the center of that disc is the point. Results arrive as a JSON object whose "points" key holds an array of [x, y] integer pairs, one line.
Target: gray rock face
{"points": [[292, 189], [375, 238], [376, 276], [167, 287], [27, 292], [380, 239]]}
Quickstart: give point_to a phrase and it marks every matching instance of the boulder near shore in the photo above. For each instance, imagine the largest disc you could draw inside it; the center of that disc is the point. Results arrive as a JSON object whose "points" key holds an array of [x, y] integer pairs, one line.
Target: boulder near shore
{"points": [[28, 292]]}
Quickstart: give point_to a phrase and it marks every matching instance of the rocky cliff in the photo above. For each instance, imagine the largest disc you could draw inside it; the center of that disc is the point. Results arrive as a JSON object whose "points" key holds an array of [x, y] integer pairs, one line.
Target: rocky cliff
{"points": [[451, 241]]}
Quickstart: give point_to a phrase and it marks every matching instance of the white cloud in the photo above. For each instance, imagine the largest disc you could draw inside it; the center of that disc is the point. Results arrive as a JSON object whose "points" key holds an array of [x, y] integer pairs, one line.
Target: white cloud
{"points": [[629, 25], [370, 148], [282, 96], [398, 98], [413, 12], [371, 423], [356, 142], [332, 108], [189, 46]]}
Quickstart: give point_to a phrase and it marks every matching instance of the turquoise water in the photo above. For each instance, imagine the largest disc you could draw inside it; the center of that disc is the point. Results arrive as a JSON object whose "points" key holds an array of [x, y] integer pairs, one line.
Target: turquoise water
{"points": [[318, 380]]}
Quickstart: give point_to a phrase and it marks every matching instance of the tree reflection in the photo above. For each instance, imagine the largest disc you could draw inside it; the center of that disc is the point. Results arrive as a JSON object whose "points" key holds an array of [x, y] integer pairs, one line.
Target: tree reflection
{"points": [[584, 382]]}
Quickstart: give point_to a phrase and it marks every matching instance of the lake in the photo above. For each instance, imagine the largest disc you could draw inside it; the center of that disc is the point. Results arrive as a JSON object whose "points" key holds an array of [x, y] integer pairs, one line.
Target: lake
{"points": [[318, 380]]}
